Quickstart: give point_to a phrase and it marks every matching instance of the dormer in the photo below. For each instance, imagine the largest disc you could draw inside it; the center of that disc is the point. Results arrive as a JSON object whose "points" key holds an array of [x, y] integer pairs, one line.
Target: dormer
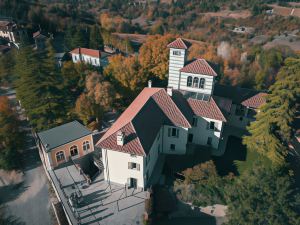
{"points": [[177, 59], [198, 77]]}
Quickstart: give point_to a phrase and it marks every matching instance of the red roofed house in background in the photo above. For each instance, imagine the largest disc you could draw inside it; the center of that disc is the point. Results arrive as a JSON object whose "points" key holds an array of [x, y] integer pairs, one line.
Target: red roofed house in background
{"points": [[187, 116], [90, 56]]}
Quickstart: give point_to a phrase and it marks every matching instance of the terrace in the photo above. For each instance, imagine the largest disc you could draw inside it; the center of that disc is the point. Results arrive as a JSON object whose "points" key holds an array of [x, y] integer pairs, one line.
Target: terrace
{"points": [[99, 202]]}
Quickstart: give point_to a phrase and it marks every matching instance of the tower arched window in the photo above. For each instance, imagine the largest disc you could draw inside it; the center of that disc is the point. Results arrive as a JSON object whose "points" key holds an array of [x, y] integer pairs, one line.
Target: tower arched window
{"points": [[189, 81], [86, 145], [195, 82], [60, 156], [74, 150], [202, 83]]}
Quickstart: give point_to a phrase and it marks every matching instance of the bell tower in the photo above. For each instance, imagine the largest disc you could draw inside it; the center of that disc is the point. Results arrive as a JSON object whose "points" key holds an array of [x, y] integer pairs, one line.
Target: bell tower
{"points": [[177, 59]]}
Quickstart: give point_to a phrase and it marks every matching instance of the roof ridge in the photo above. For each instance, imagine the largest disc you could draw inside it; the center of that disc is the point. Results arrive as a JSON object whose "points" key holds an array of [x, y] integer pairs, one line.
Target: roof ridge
{"points": [[218, 108], [174, 105]]}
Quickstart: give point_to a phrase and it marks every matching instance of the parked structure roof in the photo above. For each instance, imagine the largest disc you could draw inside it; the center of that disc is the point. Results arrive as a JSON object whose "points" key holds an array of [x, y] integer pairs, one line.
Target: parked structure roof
{"points": [[255, 101], [63, 134]]}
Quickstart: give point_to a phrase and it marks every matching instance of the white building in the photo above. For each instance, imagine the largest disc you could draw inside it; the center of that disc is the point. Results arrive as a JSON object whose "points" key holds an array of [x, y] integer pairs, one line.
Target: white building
{"points": [[10, 32], [90, 56], [187, 116]]}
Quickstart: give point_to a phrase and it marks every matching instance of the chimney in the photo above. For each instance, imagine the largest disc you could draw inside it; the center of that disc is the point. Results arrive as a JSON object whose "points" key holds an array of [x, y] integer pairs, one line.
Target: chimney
{"points": [[120, 138], [170, 91], [149, 83]]}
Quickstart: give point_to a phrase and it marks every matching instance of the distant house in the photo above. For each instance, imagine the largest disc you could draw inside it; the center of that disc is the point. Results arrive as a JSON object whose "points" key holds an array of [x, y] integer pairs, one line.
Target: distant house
{"points": [[243, 30], [11, 32], [60, 58], [63, 143], [90, 56], [40, 40]]}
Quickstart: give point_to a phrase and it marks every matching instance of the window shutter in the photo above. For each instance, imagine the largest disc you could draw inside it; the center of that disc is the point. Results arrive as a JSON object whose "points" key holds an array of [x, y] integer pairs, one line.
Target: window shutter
{"points": [[177, 133], [128, 182], [216, 126], [129, 165], [169, 132], [138, 167], [207, 125]]}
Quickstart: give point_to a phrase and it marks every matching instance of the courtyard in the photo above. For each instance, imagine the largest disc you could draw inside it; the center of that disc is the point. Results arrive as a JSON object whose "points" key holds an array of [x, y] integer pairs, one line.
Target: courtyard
{"points": [[99, 202]]}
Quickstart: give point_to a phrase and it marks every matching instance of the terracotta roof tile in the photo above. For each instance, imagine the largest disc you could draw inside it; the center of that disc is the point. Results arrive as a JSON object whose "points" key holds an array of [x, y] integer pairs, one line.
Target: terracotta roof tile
{"points": [[199, 66], [180, 44], [255, 101], [87, 51], [208, 109], [162, 106]]}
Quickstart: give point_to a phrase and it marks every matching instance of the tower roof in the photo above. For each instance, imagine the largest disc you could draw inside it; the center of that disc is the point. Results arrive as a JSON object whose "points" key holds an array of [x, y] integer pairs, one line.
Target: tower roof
{"points": [[180, 44], [199, 66]]}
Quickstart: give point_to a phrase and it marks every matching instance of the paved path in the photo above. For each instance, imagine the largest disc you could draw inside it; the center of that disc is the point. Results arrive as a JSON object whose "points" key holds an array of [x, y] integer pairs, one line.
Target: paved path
{"points": [[28, 202]]}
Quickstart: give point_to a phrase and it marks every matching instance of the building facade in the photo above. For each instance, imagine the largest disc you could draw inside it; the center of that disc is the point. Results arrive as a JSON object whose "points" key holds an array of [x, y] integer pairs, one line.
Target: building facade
{"points": [[64, 143], [190, 114], [10, 31], [90, 56]]}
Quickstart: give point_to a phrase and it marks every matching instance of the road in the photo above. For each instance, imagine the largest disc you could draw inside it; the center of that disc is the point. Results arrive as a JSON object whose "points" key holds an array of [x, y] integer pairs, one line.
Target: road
{"points": [[28, 203]]}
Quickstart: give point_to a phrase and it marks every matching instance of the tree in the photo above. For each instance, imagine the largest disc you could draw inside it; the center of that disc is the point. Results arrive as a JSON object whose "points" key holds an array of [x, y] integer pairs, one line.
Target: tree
{"points": [[96, 41], [7, 63], [126, 75], [87, 109], [272, 130], [154, 56], [263, 196], [11, 138], [38, 86]]}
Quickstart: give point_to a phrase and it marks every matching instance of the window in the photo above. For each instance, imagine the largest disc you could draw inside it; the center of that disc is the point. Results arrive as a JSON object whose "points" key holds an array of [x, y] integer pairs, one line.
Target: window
{"points": [[173, 132], [195, 121], [172, 147], [190, 138], [86, 146], [74, 150], [195, 82], [202, 83], [60, 156], [133, 166], [189, 81], [178, 53], [210, 125], [209, 141]]}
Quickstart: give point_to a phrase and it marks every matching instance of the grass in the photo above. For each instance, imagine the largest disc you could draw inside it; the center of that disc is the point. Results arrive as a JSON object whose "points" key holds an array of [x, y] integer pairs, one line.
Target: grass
{"points": [[237, 159]]}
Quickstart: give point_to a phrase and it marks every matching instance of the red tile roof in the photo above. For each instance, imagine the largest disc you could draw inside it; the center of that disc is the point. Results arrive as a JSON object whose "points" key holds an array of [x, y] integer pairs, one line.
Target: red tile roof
{"points": [[128, 123], [255, 101], [87, 51], [208, 109], [199, 66], [180, 44]]}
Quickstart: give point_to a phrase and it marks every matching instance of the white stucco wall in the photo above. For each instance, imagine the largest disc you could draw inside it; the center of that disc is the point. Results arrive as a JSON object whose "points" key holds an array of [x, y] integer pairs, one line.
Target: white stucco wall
{"points": [[208, 86], [117, 170], [238, 121], [179, 142], [201, 133], [175, 64], [86, 59]]}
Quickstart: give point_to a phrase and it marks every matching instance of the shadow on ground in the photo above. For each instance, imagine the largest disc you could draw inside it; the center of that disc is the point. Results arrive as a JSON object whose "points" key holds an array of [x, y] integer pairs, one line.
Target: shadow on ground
{"points": [[11, 192], [235, 151]]}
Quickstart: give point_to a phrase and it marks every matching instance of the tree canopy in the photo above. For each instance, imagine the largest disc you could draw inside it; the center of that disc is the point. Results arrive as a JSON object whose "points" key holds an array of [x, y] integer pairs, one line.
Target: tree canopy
{"points": [[272, 130]]}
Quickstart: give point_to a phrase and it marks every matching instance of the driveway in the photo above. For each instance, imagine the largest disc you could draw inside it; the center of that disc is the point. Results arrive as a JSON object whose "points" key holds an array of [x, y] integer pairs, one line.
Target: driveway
{"points": [[28, 202]]}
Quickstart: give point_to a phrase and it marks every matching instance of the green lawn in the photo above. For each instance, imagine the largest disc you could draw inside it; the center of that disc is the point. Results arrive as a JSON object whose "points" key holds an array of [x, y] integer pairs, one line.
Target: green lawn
{"points": [[237, 158]]}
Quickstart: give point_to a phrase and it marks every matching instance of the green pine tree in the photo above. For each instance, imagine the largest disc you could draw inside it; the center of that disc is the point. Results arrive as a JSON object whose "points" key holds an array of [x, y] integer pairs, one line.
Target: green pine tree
{"points": [[96, 41], [263, 196], [272, 130]]}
